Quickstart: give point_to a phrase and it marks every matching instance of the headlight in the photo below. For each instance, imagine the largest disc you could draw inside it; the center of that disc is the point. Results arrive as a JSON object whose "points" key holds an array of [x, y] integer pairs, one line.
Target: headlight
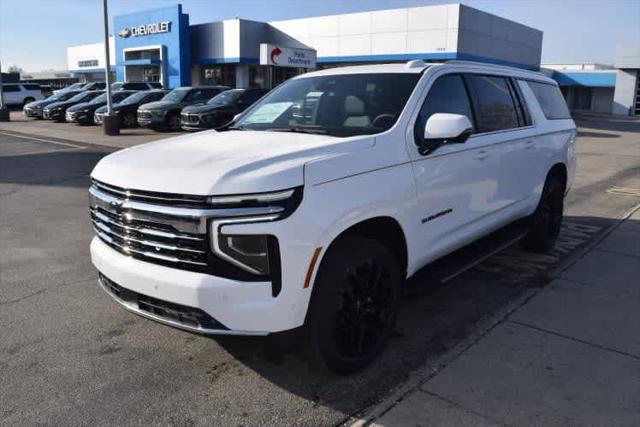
{"points": [[248, 252], [256, 254]]}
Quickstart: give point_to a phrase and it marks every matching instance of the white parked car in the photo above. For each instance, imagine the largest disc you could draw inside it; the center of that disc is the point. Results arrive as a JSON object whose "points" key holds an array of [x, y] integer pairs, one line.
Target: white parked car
{"points": [[318, 202], [21, 93]]}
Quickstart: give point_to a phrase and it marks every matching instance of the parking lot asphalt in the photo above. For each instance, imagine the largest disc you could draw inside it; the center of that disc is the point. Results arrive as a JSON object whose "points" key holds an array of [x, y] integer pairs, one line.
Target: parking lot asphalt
{"points": [[69, 355]]}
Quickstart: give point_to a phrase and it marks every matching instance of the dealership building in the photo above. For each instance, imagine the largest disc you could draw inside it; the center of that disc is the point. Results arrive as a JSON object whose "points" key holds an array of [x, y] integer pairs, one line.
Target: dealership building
{"points": [[161, 45]]}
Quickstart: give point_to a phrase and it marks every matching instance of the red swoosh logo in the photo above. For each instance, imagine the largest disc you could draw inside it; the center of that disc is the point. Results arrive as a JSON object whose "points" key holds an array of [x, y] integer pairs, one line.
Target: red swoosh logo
{"points": [[275, 52]]}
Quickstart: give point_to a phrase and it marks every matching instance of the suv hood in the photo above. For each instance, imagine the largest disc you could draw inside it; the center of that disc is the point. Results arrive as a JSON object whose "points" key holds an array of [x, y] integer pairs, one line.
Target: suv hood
{"points": [[58, 104], [203, 108], [160, 105], [216, 163], [78, 107], [40, 104]]}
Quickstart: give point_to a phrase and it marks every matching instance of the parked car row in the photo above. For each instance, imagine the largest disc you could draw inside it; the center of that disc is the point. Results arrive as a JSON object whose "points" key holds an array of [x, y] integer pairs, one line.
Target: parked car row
{"points": [[188, 108]]}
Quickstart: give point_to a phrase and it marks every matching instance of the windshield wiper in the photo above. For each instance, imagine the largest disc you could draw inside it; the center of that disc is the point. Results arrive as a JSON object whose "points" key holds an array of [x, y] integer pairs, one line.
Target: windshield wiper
{"points": [[299, 130]]}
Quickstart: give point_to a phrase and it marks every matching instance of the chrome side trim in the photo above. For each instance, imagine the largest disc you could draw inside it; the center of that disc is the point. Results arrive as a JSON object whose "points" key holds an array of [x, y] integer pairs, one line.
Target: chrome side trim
{"points": [[132, 308]]}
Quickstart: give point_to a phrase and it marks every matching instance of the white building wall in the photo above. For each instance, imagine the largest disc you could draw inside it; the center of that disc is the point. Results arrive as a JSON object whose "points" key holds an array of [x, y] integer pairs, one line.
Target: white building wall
{"points": [[423, 30], [88, 52], [625, 92]]}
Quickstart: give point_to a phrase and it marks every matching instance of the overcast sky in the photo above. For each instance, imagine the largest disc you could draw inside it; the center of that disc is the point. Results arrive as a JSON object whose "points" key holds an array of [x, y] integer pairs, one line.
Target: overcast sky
{"points": [[34, 34]]}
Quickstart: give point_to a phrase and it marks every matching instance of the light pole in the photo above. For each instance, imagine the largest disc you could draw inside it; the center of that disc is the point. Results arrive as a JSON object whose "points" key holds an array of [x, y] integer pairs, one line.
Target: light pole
{"points": [[110, 123], [4, 111]]}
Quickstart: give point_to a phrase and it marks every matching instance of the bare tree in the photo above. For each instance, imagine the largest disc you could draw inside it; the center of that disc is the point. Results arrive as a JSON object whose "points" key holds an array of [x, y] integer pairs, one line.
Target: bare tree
{"points": [[15, 69]]}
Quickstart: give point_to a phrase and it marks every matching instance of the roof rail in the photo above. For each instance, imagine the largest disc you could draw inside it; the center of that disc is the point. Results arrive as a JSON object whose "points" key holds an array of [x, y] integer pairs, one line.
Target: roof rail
{"points": [[488, 64], [415, 63]]}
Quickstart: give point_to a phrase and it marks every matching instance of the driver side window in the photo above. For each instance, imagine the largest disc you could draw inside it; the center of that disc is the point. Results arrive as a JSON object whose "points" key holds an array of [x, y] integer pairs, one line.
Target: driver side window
{"points": [[447, 95]]}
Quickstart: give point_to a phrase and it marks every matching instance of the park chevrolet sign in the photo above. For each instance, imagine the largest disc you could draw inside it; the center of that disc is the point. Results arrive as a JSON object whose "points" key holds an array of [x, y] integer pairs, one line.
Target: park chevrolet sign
{"points": [[281, 56], [145, 30]]}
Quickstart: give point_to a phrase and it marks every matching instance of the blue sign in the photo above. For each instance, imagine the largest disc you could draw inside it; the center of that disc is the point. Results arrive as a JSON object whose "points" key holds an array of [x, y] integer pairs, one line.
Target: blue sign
{"points": [[153, 44]]}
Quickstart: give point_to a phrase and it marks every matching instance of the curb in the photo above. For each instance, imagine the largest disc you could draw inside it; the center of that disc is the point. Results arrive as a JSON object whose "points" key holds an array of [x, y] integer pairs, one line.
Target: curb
{"points": [[434, 366]]}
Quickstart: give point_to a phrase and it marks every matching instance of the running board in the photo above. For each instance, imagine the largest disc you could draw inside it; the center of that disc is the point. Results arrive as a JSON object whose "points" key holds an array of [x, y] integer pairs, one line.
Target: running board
{"points": [[450, 266]]}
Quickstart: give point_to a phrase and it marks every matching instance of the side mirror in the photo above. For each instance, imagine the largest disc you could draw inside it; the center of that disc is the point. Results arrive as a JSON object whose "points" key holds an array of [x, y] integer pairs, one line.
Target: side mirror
{"points": [[445, 128], [236, 117]]}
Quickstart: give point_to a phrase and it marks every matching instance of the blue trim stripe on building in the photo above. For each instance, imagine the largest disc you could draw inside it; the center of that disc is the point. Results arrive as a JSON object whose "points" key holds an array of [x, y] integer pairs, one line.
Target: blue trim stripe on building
{"points": [[390, 57], [586, 78]]}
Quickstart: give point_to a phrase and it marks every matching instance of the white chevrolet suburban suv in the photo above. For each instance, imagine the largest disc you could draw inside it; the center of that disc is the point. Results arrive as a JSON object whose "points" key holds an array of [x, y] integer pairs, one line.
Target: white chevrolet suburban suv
{"points": [[21, 93], [315, 204]]}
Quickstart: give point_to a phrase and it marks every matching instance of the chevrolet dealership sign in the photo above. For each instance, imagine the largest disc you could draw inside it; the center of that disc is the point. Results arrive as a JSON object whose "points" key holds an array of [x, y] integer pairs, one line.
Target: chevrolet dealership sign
{"points": [[146, 30], [281, 56]]}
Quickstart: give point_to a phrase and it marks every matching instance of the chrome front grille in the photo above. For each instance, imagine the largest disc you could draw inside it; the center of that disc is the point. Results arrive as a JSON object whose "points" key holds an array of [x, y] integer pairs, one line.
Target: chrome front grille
{"points": [[144, 115], [190, 119], [163, 228]]}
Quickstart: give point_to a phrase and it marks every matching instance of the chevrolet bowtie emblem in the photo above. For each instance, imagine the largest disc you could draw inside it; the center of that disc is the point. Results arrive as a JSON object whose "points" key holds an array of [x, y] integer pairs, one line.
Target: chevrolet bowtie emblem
{"points": [[124, 33]]}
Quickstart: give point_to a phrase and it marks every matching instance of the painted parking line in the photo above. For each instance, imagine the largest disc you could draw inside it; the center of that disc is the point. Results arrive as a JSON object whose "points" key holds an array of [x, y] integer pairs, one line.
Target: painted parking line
{"points": [[33, 138]]}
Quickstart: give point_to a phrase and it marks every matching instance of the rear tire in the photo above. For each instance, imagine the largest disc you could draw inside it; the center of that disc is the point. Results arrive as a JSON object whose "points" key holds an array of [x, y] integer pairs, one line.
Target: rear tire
{"points": [[355, 304], [547, 219]]}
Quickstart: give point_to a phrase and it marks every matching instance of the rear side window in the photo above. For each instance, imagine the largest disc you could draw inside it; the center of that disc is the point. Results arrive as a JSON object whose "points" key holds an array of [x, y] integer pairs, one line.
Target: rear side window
{"points": [[495, 108], [250, 96], [447, 95], [10, 88], [551, 100]]}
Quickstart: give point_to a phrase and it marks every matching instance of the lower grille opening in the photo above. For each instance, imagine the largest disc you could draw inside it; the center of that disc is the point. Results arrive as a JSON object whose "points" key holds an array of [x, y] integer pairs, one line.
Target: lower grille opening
{"points": [[185, 315]]}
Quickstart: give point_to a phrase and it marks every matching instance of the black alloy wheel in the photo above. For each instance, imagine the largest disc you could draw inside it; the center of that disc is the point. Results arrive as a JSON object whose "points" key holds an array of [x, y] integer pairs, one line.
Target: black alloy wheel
{"points": [[129, 120], [355, 304], [173, 121]]}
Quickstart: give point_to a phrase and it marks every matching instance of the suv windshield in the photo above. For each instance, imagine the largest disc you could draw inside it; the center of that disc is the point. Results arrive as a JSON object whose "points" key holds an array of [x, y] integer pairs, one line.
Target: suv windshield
{"points": [[138, 96], [337, 105], [227, 97], [82, 96], [62, 96], [176, 95]]}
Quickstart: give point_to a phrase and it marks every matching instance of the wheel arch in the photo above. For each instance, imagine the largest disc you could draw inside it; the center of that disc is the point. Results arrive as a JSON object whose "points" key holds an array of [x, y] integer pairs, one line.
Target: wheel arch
{"points": [[385, 229], [559, 171]]}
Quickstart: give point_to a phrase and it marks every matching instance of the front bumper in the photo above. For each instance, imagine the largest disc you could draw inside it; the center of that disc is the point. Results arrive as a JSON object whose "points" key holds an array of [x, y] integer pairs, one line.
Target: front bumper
{"points": [[243, 308], [58, 115], [30, 112], [77, 117]]}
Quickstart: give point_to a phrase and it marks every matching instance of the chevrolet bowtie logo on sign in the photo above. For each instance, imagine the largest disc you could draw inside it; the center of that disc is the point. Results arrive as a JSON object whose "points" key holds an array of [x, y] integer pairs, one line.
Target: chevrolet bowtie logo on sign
{"points": [[124, 33], [146, 30]]}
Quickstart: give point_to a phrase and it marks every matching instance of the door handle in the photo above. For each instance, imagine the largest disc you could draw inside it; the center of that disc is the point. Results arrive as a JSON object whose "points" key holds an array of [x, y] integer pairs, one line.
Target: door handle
{"points": [[528, 145], [480, 155]]}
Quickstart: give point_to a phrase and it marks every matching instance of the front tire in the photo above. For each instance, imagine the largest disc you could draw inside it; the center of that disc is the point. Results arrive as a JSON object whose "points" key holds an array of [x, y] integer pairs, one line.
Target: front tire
{"points": [[355, 304], [547, 219], [129, 120], [173, 122]]}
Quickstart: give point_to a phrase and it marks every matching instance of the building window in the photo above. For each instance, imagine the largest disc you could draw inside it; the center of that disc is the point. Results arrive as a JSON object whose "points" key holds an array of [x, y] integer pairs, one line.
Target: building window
{"points": [[214, 75], [258, 76]]}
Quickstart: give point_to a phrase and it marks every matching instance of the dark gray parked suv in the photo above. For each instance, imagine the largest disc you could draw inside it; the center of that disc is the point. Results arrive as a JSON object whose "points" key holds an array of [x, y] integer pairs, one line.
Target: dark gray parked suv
{"points": [[165, 114]]}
